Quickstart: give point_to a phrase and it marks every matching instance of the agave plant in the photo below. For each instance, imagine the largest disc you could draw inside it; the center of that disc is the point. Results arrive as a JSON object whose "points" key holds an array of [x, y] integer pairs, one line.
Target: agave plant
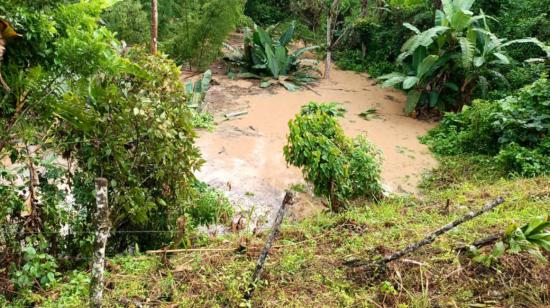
{"points": [[444, 64], [264, 56]]}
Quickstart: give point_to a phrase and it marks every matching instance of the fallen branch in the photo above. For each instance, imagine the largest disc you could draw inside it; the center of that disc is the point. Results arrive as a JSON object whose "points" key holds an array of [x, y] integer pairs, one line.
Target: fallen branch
{"points": [[482, 243], [187, 250], [233, 115], [288, 200], [431, 237], [312, 90]]}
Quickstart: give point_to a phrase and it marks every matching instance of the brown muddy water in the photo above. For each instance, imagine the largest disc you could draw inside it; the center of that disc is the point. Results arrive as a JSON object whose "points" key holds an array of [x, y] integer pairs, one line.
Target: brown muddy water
{"points": [[244, 156]]}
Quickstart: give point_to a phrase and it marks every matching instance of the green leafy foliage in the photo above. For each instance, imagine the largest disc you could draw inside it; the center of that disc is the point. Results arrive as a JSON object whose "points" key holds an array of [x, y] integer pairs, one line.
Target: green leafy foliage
{"points": [[444, 64], [209, 206], [377, 34], [81, 106], [332, 109], [40, 268], [338, 167], [129, 21], [147, 153], [532, 238], [514, 130], [264, 55], [197, 32], [267, 12]]}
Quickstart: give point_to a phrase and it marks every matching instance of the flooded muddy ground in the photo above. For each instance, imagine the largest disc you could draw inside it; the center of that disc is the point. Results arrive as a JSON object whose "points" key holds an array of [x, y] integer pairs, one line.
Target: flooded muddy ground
{"points": [[244, 156]]}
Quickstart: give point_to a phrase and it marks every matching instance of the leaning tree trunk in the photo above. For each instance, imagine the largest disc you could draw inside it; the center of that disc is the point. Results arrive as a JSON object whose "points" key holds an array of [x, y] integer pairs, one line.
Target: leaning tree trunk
{"points": [[154, 26]]}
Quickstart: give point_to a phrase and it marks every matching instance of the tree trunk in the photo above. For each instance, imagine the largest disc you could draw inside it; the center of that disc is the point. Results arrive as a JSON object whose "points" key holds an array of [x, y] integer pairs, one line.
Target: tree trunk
{"points": [[329, 42], [364, 7], [330, 26], [103, 228], [154, 26]]}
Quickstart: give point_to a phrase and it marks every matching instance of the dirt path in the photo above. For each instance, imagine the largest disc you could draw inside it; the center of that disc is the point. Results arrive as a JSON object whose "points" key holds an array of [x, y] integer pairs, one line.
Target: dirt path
{"points": [[244, 156]]}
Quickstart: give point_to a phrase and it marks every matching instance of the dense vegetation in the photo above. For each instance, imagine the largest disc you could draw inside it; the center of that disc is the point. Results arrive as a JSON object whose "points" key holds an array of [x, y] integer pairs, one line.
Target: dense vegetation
{"points": [[80, 106], [443, 65], [81, 97], [513, 132], [190, 31]]}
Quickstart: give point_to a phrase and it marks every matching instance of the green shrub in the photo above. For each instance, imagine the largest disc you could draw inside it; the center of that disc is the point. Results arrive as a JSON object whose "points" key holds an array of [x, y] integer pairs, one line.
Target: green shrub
{"points": [[514, 130], [339, 168], [377, 36], [129, 21], [208, 206], [198, 34], [267, 12]]}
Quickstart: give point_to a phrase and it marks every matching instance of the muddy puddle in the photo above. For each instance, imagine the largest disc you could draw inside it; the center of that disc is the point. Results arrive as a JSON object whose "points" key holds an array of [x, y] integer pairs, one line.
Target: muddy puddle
{"points": [[244, 156]]}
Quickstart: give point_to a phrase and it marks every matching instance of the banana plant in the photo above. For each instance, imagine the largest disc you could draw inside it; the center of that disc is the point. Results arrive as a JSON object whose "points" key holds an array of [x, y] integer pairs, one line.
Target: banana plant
{"points": [[444, 64], [266, 56]]}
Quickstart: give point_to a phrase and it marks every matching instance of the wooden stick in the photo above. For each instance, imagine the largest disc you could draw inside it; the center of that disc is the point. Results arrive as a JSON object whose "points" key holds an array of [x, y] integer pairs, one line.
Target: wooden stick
{"points": [[187, 250], [431, 237], [235, 114], [482, 242], [102, 234], [288, 200]]}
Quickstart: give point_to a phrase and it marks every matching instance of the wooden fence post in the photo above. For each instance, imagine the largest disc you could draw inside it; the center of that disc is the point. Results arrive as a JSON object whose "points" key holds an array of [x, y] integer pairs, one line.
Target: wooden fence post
{"points": [[103, 225], [288, 200]]}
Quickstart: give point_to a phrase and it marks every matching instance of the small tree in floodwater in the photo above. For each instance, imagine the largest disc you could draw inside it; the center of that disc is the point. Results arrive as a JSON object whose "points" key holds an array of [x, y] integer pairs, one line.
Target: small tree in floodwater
{"points": [[339, 168]]}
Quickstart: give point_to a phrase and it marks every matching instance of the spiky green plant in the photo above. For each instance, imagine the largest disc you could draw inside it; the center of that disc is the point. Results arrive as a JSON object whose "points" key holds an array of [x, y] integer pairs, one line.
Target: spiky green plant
{"points": [[266, 56]]}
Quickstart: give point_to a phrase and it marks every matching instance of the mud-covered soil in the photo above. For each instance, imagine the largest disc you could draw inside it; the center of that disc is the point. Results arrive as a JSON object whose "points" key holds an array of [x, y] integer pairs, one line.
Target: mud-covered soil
{"points": [[244, 155]]}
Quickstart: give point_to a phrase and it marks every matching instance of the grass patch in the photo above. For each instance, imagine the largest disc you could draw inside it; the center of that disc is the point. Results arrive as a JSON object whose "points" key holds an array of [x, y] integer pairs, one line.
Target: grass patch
{"points": [[307, 266]]}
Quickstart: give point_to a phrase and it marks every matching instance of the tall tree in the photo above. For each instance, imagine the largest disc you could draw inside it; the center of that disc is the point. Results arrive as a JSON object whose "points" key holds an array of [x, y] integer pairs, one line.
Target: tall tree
{"points": [[331, 23], [154, 26]]}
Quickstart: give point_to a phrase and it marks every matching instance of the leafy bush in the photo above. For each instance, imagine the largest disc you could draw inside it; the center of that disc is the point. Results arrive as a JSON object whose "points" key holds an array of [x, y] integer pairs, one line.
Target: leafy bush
{"points": [[514, 130], [147, 153], [208, 206], [129, 21], [77, 98], [198, 34], [338, 167], [268, 12], [39, 268], [443, 65]]}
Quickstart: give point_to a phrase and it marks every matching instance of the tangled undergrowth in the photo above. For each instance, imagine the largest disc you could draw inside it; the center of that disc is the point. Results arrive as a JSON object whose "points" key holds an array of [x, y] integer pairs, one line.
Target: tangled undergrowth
{"points": [[307, 266]]}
